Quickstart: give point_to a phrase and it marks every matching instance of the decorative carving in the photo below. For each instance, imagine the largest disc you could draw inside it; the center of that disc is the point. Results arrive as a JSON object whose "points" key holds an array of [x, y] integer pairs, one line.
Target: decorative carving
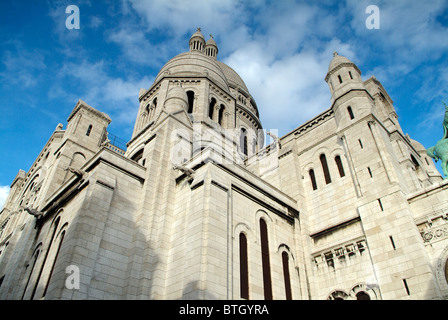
{"points": [[440, 150], [435, 234]]}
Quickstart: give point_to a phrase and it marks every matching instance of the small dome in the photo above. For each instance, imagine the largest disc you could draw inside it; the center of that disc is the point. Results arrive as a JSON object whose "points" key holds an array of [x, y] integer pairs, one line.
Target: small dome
{"points": [[211, 42], [337, 60], [417, 145], [198, 34], [211, 49]]}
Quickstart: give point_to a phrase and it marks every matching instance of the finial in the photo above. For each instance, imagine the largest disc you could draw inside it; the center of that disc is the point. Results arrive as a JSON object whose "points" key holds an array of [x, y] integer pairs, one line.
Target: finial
{"points": [[198, 29], [211, 35], [335, 54]]}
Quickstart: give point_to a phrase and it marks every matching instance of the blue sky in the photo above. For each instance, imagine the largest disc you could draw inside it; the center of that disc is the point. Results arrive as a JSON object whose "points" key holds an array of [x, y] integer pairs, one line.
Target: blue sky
{"points": [[280, 48]]}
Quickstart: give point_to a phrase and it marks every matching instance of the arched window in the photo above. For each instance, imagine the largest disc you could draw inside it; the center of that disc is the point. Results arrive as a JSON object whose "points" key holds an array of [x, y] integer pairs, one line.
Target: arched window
{"points": [[61, 238], [137, 156], [34, 258], [338, 161], [361, 295], [313, 179], [211, 108], [221, 114], [286, 277], [323, 161], [267, 285], [415, 162], [55, 226], [243, 141], [244, 269], [350, 112], [190, 95], [89, 130]]}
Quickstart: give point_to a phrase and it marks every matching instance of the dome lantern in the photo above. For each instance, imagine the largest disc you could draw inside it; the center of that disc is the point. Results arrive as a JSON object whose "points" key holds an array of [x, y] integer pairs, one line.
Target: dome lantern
{"points": [[211, 48], [197, 41]]}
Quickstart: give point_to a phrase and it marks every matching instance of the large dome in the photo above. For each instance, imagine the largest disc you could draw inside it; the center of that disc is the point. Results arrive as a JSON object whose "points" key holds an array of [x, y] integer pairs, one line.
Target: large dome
{"points": [[201, 61], [194, 63], [233, 78]]}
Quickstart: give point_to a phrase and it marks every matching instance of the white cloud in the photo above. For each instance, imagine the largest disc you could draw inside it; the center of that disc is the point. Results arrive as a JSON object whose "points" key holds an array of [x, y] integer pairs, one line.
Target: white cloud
{"points": [[4, 191], [288, 90], [409, 30], [177, 16], [22, 67], [285, 78], [95, 84]]}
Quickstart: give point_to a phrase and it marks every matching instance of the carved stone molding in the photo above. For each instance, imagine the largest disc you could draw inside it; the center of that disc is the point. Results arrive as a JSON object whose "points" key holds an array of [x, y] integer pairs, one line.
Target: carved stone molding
{"points": [[435, 234]]}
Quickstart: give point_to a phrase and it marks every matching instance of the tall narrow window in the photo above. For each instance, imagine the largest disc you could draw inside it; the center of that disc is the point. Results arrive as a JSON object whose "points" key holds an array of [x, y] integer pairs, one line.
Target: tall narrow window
{"points": [[392, 242], [350, 112], [406, 287], [416, 164], [338, 161], [350, 73], [286, 277], [267, 285], [89, 130], [323, 161], [54, 262], [340, 79], [55, 226], [35, 256], [190, 95], [211, 108], [221, 114], [313, 179], [243, 141], [380, 204], [244, 269]]}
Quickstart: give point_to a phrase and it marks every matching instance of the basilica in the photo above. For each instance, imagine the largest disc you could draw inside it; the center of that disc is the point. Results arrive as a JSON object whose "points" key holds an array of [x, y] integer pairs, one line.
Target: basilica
{"points": [[204, 203]]}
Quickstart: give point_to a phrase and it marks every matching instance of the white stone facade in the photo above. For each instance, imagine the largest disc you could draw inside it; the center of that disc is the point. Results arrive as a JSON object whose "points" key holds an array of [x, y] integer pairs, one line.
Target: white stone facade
{"points": [[345, 206]]}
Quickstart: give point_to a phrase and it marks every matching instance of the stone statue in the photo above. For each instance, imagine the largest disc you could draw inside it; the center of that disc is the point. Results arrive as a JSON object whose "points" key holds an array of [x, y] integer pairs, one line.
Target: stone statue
{"points": [[440, 150], [189, 172], [276, 139], [77, 172], [34, 212]]}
